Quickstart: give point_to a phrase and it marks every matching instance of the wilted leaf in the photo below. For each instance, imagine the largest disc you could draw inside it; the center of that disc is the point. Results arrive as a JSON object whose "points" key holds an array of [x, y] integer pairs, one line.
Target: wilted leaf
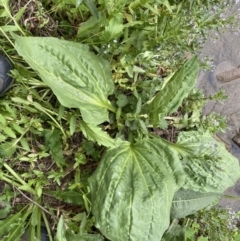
{"points": [[79, 78], [132, 190]]}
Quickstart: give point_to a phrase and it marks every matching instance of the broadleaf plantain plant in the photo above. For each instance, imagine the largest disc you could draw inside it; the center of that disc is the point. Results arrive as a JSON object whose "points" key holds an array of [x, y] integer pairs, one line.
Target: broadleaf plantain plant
{"points": [[142, 181]]}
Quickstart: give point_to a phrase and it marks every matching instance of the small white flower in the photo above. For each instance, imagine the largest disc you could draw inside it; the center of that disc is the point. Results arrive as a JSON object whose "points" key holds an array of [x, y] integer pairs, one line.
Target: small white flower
{"points": [[215, 122]]}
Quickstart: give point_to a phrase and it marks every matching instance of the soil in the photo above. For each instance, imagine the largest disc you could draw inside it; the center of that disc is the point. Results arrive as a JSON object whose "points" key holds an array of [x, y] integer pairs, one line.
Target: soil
{"points": [[226, 55]]}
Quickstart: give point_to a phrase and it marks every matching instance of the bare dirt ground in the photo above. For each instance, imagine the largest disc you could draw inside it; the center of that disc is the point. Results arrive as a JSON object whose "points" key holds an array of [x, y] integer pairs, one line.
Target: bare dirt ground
{"points": [[226, 55]]}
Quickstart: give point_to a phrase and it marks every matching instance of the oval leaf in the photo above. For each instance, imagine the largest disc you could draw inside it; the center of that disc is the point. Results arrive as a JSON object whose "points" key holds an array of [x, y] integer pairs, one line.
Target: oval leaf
{"points": [[210, 167], [9, 132], [132, 190], [78, 78], [187, 202]]}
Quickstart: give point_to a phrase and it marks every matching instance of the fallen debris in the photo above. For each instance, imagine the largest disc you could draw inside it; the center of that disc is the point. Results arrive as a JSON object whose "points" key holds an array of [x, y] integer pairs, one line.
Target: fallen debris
{"points": [[229, 75]]}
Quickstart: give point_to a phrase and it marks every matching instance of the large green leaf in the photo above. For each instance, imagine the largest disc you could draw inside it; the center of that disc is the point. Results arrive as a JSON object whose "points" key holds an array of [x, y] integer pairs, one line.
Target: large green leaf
{"points": [[186, 202], [132, 190], [79, 78], [177, 88], [210, 167]]}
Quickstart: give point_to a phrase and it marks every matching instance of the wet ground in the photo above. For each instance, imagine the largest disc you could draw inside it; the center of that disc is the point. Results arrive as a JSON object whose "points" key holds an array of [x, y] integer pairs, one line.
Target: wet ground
{"points": [[226, 55]]}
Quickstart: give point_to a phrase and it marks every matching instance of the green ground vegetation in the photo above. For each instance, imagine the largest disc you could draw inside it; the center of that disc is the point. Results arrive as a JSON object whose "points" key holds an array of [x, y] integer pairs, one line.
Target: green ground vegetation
{"points": [[102, 135]]}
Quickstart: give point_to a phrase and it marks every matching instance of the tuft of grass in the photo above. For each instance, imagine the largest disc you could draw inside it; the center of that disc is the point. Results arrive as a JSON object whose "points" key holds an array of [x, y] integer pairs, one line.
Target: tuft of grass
{"points": [[213, 223]]}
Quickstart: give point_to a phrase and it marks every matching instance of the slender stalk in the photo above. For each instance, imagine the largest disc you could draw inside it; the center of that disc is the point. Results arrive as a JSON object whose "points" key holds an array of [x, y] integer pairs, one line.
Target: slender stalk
{"points": [[15, 184], [156, 22], [47, 225], [41, 207], [6, 7], [10, 41], [130, 137], [14, 174]]}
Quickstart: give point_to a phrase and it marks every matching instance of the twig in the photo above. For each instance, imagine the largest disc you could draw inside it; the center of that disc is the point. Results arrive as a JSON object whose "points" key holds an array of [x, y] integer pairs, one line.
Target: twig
{"points": [[29, 199]]}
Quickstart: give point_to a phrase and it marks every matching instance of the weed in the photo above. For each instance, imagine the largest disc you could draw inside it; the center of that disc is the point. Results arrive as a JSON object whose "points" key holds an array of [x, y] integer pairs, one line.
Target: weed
{"points": [[85, 145], [212, 224]]}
